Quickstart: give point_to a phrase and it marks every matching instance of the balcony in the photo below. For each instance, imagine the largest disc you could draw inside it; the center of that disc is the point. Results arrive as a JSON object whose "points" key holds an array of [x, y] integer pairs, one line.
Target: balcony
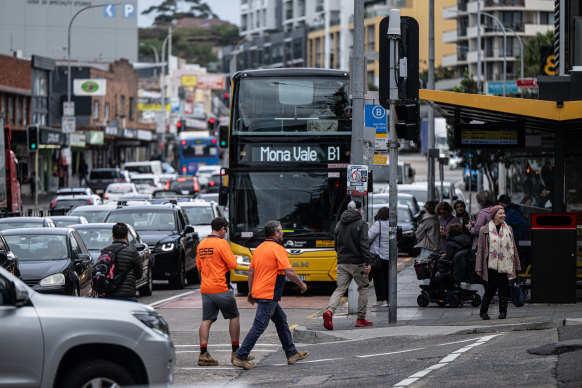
{"points": [[504, 3], [450, 36], [533, 29], [450, 60], [450, 13]]}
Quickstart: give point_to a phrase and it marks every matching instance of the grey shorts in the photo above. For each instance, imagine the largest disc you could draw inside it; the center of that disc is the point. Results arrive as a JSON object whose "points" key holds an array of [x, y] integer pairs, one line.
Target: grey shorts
{"points": [[224, 301]]}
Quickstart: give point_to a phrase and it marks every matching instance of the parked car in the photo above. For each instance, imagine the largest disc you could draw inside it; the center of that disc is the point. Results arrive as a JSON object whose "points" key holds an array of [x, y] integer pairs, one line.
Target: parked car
{"points": [[96, 213], [56, 341], [8, 259], [418, 190], [97, 236], [52, 260], [116, 190], [171, 238], [64, 221], [200, 214], [76, 191], [26, 222], [408, 225], [379, 200], [404, 175], [100, 178], [185, 185], [61, 205]]}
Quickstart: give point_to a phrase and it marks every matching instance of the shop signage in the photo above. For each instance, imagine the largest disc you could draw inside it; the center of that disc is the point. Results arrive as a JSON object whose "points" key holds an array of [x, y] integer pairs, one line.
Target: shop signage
{"points": [[144, 135], [52, 138], [96, 137], [111, 131], [129, 133], [89, 87], [77, 139], [211, 81]]}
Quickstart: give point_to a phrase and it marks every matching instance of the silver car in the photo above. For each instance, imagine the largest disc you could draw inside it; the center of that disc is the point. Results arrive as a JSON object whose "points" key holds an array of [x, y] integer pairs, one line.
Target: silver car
{"points": [[58, 341]]}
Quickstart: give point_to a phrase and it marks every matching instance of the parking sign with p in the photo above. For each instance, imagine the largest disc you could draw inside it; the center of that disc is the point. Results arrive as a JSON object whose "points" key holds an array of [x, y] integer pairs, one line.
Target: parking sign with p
{"points": [[128, 10]]}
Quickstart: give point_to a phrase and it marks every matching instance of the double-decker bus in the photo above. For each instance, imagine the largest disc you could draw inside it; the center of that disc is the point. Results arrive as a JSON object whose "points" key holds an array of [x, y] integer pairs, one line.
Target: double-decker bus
{"points": [[289, 146], [196, 149]]}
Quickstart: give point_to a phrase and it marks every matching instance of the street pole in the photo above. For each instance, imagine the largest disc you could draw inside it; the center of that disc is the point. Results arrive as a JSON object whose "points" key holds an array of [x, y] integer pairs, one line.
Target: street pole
{"points": [[394, 37], [156, 57], [520, 49], [163, 97], [431, 140], [504, 51], [357, 145], [479, 84]]}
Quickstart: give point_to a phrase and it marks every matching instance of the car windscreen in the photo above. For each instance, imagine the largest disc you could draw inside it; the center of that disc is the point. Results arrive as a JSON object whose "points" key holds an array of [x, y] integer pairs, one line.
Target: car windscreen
{"points": [[420, 194], [96, 239], [104, 174], [21, 224], [119, 190], [404, 215], [182, 185], [69, 203], [143, 181], [140, 169], [144, 220], [97, 215], [38, 247], [199, 215]]}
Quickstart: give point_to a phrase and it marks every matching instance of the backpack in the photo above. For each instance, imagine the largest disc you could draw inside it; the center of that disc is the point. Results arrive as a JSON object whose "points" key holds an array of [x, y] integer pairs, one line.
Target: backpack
{"points": [[104, 278]]}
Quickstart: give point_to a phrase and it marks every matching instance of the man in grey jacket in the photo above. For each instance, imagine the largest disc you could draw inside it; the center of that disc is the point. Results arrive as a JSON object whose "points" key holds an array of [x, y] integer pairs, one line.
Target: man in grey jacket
{"points": [[353, 262], [128, 262]]}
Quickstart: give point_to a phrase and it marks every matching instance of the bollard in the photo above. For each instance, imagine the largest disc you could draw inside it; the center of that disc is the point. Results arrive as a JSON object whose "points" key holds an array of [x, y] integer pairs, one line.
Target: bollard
{"points": [[352, 297]]}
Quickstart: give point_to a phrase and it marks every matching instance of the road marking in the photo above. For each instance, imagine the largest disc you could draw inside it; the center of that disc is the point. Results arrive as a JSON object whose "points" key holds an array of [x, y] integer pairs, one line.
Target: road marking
{"points": [[211, 368], [212, 345], [402, 262], [386, 354], [172, 298], [445, 361], [314, 314], [312, 361], [293, 327], [226, 351], [456, 342]]}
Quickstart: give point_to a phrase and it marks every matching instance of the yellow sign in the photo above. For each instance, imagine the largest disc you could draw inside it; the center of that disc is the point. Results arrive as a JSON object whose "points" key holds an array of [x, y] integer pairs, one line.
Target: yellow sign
{"points": [[142, 106], [324, 244], [549, 66], [189, 80], [380, 160]]}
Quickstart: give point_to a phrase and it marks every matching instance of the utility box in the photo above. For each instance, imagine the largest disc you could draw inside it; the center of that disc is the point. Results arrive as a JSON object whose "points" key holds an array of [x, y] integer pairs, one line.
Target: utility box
{"points": [[553, 249]]}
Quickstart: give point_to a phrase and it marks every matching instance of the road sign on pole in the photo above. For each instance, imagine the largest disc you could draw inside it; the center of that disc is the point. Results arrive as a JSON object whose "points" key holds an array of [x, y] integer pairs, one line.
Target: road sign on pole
{"points": [[68, 124], [357, 183], [375, 117]]}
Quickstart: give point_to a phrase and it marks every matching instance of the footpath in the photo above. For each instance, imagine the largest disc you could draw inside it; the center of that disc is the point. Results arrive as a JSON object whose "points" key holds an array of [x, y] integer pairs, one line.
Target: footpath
{"points": [[416, 321]]}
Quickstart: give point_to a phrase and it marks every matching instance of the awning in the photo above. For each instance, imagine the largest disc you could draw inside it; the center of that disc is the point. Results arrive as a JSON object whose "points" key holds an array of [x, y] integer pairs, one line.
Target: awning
{"points": [[536, 114]]}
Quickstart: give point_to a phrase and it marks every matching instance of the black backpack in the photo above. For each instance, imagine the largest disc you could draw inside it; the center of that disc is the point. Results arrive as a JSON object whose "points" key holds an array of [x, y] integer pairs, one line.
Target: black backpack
{"points": [[104, 277]]}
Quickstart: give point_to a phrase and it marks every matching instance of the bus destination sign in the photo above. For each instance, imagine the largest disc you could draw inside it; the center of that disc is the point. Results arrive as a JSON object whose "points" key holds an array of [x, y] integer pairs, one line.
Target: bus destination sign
{"points": [[308, 153]]}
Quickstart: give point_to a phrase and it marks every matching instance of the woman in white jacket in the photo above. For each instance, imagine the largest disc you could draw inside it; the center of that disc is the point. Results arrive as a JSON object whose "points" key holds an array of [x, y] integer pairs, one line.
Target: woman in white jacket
{"points": [[378, 235]]}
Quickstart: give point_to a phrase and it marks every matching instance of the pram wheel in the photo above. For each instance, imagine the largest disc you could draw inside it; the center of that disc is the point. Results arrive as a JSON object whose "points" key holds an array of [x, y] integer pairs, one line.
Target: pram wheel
{"points": [[455, 301], [422, 300], [476, 302]]}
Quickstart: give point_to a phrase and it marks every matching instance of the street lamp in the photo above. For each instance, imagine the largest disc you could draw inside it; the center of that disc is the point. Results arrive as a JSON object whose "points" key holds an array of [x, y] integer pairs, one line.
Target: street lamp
{"points": [[69, 45], [504, 51], [520, 48], [156, 57]]}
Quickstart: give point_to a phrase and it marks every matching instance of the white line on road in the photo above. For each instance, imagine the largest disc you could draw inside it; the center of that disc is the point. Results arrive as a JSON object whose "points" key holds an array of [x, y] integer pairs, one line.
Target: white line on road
{"points": [[445, 361], [386, 354], [227, 350], [210, 368], [229, 345], [312, 361], [171, 298]]}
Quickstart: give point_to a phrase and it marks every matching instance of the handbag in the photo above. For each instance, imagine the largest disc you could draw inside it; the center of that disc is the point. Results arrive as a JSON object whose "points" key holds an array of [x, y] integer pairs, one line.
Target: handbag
{"points": [[375, 262], [517, 297]]}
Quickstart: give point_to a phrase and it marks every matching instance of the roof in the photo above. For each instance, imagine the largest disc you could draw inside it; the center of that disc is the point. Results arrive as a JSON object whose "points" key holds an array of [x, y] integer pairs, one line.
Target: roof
{"points": [[537, 114], [292, 71]]}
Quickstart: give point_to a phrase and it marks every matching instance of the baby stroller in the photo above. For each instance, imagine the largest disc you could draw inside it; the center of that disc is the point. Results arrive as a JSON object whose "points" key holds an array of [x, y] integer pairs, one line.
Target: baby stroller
{"points": [[445, 278]]}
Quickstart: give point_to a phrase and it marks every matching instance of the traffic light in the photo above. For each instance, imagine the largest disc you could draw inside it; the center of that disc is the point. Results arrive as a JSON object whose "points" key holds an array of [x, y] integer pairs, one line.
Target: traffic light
{"points": [[226, 99], [180, 126], [211, 123], [408, 124], [408, 48], [32, 132], [223, 136]]}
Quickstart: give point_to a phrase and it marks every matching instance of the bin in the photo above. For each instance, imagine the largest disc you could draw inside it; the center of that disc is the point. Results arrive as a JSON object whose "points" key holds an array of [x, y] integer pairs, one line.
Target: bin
{"points": [[553, 250]]}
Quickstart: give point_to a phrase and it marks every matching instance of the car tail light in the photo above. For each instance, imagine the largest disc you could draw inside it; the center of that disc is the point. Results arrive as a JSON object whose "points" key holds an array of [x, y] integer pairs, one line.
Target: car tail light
{"points": [[184, 169], [196, 186], [181, 179], [167, 186], [90, 201], [105, 196], [211, 183]]}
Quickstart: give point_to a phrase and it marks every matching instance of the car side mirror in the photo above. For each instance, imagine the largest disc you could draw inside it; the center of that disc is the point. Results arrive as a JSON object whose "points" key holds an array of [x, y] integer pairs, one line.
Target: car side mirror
{"points": [[140, 246], [223, 196], [189, 229]]}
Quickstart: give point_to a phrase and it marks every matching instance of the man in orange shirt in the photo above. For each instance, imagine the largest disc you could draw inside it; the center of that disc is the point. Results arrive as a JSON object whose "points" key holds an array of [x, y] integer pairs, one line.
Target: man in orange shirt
{"points": [[215, 260], [267, 272]]}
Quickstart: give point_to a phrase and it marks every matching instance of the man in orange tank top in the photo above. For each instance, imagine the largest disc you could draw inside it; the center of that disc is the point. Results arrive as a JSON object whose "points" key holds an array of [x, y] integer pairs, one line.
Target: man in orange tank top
{"points": [[267, 272]]}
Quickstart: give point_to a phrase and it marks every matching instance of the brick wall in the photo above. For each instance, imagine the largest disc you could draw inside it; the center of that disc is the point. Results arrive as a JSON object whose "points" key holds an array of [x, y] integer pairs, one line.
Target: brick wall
{"points": [[15, 73]]}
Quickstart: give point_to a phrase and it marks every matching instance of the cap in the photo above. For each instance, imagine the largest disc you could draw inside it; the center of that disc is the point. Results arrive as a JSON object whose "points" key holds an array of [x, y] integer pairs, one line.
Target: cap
{"points": [[494, 211], [354, 205]]}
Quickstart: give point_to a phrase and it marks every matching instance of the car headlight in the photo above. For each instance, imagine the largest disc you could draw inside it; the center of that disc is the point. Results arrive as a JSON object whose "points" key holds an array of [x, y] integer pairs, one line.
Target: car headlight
{"points": [[154, 321], [243, 260], [167, 247], [57, 279]]}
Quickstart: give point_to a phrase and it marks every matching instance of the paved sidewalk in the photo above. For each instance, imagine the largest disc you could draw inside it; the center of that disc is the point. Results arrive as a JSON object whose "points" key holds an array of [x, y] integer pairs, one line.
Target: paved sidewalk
{"points": [[413, 320]]}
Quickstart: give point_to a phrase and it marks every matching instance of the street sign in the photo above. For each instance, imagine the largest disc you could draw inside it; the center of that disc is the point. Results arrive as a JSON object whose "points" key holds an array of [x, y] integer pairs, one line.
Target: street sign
{"points": [[496, 87], [68, 124], [376, 117], [527, 82], [381, 143], [381, 160], [69, 108], [128, 10], [357, 184], [109, 10]]}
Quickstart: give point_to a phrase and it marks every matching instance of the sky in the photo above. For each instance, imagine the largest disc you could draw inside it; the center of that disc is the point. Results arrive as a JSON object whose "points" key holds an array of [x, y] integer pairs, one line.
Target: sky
{"points": [[225, 9]]}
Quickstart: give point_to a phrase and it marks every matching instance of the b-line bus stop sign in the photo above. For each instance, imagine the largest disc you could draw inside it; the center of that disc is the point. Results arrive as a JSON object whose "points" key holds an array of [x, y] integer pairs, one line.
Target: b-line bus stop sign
{"points": [[357, 183], [375, 116]]}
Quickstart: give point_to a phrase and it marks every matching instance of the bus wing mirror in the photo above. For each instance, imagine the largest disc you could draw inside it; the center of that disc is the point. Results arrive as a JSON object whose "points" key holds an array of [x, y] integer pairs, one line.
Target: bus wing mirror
{"points": [[223, 196]]}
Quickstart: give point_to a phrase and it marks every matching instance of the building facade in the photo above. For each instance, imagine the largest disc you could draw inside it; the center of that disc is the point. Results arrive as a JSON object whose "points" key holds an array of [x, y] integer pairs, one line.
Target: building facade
{"points": [[522, 19]]}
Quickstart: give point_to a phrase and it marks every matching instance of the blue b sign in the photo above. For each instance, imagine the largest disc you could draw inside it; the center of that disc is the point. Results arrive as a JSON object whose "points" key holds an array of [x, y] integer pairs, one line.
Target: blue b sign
{"points": [[376, 117]]}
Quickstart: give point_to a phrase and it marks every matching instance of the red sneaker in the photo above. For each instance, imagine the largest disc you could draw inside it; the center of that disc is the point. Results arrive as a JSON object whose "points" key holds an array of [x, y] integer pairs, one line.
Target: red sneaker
{"points": [[327, 320], [363, 322]]}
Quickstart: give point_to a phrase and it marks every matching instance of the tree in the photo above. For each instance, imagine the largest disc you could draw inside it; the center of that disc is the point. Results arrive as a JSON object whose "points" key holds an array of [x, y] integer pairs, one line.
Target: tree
{"points": [[440, 73], [171, 10], [531, 51]]}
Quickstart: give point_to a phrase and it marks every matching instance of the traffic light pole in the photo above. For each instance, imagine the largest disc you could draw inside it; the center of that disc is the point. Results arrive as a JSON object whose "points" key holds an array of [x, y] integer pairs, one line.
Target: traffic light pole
{"points": [[36, 178], [393, 36]]}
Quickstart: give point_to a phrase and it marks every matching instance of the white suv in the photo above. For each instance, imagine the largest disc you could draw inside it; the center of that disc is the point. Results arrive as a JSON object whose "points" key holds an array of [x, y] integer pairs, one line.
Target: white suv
{"points": [[57, 341]]}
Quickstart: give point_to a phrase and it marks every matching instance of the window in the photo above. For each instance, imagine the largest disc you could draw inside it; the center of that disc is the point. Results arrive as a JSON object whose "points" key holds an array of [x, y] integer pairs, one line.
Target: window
{"points": [[2, 103], [95, 110], [547, 18], [11, 110], [131, 108], [18, 110], [121, 106], [75, 248], [25, 112], [106, 112]]}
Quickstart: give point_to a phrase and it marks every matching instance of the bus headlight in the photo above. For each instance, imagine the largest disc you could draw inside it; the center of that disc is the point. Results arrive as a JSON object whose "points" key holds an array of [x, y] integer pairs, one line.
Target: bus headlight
{"points": [[243, 260]]}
